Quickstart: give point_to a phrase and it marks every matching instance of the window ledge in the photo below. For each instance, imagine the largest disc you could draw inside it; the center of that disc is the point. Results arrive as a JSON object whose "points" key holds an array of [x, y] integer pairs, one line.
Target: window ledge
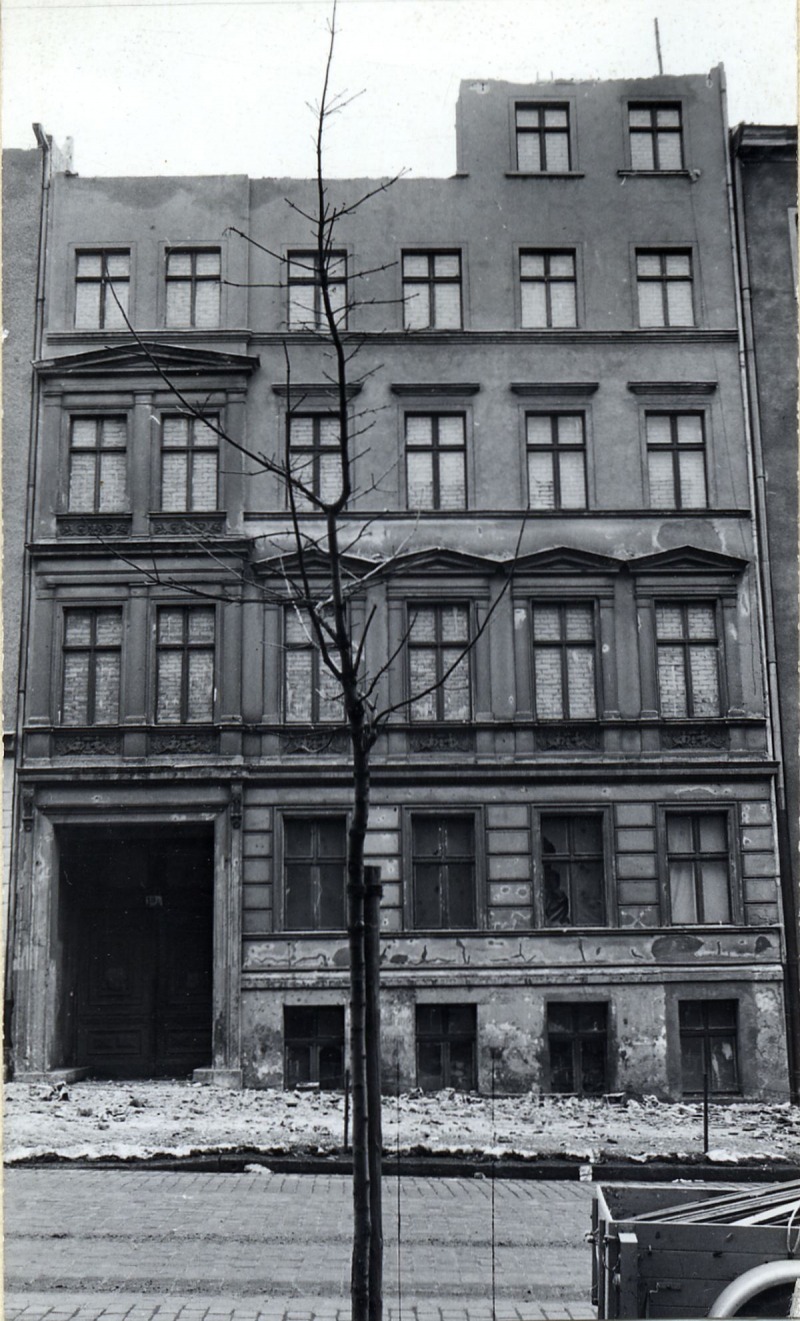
{"points": [[93, 525], [545, 174], [655, 174], [185, 523]]}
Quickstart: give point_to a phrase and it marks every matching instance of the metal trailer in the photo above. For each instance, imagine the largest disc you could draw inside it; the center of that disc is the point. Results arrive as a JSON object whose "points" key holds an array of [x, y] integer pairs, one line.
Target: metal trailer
{"points": [[669, 1250]]}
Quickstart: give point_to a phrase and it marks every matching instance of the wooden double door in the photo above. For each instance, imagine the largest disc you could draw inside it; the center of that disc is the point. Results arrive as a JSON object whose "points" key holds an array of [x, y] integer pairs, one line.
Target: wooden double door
{"points": [[139, 917]]}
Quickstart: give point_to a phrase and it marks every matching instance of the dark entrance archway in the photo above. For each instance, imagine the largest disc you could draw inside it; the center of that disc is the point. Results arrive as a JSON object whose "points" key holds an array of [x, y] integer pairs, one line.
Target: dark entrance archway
{"points": [[137, 910]]}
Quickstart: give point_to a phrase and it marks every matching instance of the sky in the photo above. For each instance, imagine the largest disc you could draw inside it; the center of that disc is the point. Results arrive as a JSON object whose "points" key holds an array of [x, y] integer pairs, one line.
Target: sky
{"points": [[223, 86]]}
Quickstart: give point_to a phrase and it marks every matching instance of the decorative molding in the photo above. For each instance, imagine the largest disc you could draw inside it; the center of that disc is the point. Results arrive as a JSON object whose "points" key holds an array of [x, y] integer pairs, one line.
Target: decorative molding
{"points": [[536, 389], [9, 744], [444, 389], [655, 174], [93, 525], [565, 559], [545, 174], [568, 738], [86, 745], [314, 390], [314, 743], [236, 809], [28, 807], [188, 524], [694, 736], [573, 335], [132, 359], [181, 741], [441, 740], [672, 387], [688, 559]]}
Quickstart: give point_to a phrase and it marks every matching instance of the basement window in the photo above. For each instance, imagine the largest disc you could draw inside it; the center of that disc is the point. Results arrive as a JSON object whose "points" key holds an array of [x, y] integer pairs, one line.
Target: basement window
{"points": [[446, 1038], [577, 1036], [313, 1045], [709, 1046]]}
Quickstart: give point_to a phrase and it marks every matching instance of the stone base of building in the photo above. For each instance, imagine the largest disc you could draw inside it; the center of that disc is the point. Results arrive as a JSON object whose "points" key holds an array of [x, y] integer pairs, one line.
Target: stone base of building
{"points": [[230, 1078]]}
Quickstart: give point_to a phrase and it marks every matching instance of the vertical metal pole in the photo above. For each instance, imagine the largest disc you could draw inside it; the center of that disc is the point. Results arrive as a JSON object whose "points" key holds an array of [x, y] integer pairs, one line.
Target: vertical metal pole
{"points": [[372, 968], [346, 1109], [705, 1112]]}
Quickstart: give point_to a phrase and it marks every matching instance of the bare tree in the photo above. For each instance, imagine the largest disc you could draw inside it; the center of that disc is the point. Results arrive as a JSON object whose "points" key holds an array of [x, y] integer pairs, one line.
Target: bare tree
{"points": [[314, 577]]}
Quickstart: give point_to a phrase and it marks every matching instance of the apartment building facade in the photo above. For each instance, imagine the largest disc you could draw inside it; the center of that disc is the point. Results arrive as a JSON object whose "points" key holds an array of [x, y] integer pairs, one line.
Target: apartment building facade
{"points": [[577, 831]]}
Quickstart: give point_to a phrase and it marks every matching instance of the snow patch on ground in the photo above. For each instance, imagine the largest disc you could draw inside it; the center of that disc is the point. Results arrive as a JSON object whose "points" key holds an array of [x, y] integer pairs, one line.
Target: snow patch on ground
{"points": [[132, 1121]]}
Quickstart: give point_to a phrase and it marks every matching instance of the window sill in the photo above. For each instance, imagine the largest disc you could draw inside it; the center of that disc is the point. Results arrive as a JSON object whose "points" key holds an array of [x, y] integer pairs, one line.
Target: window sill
{"points": [[654, 174], [184, 523], [545, 174], [93, 525]]}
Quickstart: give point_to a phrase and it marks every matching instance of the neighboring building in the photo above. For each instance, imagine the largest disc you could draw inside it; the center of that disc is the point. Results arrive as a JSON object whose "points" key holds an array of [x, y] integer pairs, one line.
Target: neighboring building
{"points": [[577, 835], [765, 175]]}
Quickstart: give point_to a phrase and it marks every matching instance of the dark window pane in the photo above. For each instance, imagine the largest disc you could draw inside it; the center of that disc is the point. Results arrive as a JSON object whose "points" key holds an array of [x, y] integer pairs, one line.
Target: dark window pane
{"points": [[724, 1073], [560, 1018], [429, 1066], [298, 1065], [331, 839], [721, 1013], [297, 838], [692, 1063], [561, 1068], [430, 1019], [460, 1020], [588, 905], [299, 903], [462, 1069], [427, 895], [426, 836], [331, 1073], [690, 1013], [331, 896], [458, 835], [330, 1022], [554, 834], [461, 894], [592, 1017], [587, 834], [298, 1022], [556, 894], [593, 1067]]}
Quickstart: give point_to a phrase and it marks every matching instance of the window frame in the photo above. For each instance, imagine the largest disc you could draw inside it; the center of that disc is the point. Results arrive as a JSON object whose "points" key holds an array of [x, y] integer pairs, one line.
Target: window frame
{"points": [[431, 280], [315, 451], [102, 250], [317, 664], [98, 418], [525, 250], [653, 106], [554, 448], [663, 251], [705, 1033], [444, 1039], [541, 132], [675, 448], [300, 812], [684, 603], [576, 1037], [563, 603], [315, 1044], [317, 323], [189, 449], [193, 279], [609, 889], [735, 883], [435, 449], [185, 722], [425, 602], [477, 815], [93, 608]]}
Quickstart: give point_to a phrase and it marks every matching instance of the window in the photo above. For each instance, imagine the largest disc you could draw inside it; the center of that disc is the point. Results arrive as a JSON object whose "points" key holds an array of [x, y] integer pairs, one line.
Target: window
{"points": [[315, 457], [314, 860], [432, 290], [543, 139], [311, 693], [688, 659], [664, 284], [91, 667], [446, 1047], [556, 460], [185, 664], [189, 463], [708, 1032], [99, 276], [656, 137], [193, 287], [577, 1036], [564, 662], [313, 1045], [698, 867], [548, 289], [97, 465], [573, 869], [306, 304], [436, 460], [676, 461], [443, 849], [438, 635]]}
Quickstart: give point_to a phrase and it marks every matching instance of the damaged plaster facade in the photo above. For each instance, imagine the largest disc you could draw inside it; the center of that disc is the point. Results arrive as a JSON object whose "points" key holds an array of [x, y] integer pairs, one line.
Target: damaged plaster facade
{"points": [[603, 823]]}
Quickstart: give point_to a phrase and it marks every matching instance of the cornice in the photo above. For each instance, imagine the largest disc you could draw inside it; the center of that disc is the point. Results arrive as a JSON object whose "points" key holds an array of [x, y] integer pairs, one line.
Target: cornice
{"points": [[536, 389], [431, 390], [672, 387], [314, 390], [684, 335]]}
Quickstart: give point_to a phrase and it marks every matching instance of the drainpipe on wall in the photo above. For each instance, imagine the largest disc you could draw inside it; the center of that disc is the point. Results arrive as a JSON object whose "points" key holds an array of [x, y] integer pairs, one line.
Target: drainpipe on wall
{"points": [[757, 484], [46, 146]]}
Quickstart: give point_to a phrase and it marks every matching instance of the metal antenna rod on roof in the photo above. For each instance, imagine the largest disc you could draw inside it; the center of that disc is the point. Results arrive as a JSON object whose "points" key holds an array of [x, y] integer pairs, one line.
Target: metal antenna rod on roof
{"points": [[658, 48]]}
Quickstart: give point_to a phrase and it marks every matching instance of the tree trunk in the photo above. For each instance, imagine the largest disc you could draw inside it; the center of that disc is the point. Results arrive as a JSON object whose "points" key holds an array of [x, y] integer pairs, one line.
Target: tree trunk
{"points": [[360, 1270], [372, 926]]}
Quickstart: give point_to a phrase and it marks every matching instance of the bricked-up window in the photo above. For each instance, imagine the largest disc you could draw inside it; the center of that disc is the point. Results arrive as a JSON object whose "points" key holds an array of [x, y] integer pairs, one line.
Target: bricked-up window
{"points": [[314, 860], [99, 275], [698, 867], [446, 1037], [315, 457], [311, 693], [91, 667], [656, 137], [564, 679], [676, 460], [709, 1045], [97, 465], [573, 869], [438, 635], [193, 287], [664, 284], [306, 304], [432, 290], [548, 289], [189, 463], [688, 659], [556, 460], [313, 1045], [577, 1036], [543, 139], [185, 664], [436, 460], [443, 849]]}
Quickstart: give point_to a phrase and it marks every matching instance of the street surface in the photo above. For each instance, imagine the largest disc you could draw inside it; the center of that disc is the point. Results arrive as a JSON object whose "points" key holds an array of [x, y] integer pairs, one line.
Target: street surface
{"points": [[139, 1245]]}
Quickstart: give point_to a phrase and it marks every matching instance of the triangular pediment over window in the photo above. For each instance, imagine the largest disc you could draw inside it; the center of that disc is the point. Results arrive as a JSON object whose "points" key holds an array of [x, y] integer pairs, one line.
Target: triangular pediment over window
{"points": [[688, 560], [148, 356], [566, 559], [316, 564], [439, 559]]}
